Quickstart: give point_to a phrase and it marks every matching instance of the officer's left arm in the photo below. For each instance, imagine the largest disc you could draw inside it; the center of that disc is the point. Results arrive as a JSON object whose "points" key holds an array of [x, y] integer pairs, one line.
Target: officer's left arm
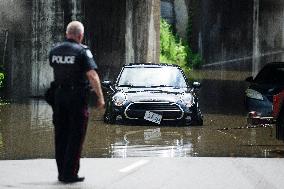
{"points": [[96, 86], [89, 67]]}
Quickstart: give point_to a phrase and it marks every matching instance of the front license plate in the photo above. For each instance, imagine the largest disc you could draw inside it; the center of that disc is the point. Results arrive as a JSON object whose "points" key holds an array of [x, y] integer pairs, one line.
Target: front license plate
{"points": [[153, 117]]}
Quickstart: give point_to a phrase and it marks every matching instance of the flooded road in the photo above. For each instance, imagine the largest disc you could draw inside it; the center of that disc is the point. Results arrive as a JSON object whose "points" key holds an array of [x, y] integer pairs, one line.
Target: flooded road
{"points": [[26, 132]]}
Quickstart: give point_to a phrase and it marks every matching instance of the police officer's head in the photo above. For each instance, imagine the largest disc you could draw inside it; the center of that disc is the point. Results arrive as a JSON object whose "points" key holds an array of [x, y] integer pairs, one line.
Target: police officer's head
{"points": [[75, 31]]}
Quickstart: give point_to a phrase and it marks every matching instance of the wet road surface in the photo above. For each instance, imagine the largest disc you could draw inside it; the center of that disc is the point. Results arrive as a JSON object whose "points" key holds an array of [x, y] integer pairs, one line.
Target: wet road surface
{"points": [[26, 132]]}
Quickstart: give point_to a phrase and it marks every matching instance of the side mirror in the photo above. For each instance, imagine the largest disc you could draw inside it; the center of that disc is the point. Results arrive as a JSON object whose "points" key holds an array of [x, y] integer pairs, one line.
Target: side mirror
{"points": [[196, 85], [106, 84], [249, 79]]}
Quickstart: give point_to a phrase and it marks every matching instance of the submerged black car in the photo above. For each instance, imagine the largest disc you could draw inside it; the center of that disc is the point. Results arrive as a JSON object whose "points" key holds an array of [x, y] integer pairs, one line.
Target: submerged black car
{"points": [[267, 83], [152, 92]]}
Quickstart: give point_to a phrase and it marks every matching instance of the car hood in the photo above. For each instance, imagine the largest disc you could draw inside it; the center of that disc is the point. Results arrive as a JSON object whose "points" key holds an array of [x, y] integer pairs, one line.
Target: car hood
{"points": [[163, 94]]}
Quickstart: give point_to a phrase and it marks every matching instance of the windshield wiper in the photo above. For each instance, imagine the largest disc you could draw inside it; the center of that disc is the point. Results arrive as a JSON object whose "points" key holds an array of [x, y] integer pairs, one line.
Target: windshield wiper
{"points": [[162, 86], [134, 86], [125, 85], [153, 86]]}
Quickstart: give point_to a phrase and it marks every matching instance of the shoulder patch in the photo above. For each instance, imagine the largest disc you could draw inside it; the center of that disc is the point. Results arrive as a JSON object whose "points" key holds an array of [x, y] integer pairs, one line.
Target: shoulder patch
{"points": [[55, 45], [84, 46], [89, 53]]}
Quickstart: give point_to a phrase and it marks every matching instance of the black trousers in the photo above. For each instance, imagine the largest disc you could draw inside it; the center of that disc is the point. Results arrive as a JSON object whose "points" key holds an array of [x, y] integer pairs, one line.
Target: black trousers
{"points": [[70, 118]]}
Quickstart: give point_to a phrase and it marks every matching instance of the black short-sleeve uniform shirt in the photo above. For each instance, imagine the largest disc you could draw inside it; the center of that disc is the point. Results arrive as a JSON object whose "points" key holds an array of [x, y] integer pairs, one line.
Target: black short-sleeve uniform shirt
{"points": [[70, 61]]}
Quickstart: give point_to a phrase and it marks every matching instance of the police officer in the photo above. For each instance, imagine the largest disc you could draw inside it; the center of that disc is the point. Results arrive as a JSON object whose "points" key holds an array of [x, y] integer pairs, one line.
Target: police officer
{"points": [[74, 69]]}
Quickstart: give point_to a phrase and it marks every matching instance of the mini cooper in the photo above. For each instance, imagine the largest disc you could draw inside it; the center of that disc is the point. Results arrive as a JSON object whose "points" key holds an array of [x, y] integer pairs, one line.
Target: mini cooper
{"points": [[155, 93]]}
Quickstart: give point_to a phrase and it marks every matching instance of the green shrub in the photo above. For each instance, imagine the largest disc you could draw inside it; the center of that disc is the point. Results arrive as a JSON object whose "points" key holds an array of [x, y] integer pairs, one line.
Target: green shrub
{"points": [[172, 49], [194, 60], [2, 77], [175, 50]]}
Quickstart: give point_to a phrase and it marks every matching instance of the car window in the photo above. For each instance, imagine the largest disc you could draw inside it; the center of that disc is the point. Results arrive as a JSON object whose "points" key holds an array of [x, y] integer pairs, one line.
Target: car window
{"points": [[271, 75], [152, 77]]}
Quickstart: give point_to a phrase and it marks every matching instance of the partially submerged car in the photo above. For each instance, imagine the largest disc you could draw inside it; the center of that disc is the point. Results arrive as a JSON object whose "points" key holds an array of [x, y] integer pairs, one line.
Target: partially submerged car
{"points": [[152, 92], [264, 89]]}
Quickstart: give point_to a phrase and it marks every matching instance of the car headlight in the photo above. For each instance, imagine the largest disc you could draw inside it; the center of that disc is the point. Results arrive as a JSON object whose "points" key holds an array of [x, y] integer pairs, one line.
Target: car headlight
{"points": [[254, 94], [119, 99], [187, 99]]}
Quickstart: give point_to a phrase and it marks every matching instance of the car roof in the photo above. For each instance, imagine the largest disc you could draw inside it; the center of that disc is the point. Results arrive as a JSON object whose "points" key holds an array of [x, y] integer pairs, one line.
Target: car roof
{"points": [[274, 64], [270, 73], [150, 65]]}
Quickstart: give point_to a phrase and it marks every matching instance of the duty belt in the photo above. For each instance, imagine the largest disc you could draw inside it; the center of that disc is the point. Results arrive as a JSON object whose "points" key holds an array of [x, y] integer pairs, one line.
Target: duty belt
{"points": [[70, 86]]}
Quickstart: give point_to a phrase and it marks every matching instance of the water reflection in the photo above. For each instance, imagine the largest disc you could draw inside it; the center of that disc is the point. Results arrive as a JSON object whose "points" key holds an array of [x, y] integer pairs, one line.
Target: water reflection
{"points": [[26, 131], [160, 142]]}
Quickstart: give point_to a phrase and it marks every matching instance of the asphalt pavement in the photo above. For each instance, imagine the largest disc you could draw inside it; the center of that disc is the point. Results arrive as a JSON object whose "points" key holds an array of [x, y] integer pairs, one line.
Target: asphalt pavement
{"points": [[149, 173]]}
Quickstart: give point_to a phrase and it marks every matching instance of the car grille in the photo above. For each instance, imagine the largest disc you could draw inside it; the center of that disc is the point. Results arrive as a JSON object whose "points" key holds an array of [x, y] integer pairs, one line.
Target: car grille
{"points": [[169, 111]]}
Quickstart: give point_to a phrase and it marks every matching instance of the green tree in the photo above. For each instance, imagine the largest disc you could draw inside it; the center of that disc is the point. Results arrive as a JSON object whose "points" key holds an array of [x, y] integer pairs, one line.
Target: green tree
{"points": [[174, 50]]}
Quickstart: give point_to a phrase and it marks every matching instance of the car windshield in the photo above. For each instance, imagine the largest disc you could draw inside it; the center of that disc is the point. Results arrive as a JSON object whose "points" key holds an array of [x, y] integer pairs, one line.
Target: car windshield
{"points": [[152, 77], [271, 75]]}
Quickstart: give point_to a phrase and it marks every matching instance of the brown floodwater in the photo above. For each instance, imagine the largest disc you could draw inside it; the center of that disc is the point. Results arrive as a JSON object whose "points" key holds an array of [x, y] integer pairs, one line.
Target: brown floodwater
{"points": [[26, 132]]}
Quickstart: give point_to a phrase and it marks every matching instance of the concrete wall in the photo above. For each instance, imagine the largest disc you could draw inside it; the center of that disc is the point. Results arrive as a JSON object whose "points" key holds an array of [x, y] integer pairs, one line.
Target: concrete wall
{"points": [[105, 34], [176, 12], [235, 38], [33, 26], [167, 11], [17, 57], [268, 38], [182, 16], [226, 30], [118, 32], [236, 33], [222, 34]]}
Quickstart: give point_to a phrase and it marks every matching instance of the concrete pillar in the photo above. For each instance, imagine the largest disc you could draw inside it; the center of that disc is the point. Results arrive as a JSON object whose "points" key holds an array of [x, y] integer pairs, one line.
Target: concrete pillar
{"points": [[256, 49], [129, 46], [182, 16], [47, 28], [122, 32], [153, 54], [143, 30]]}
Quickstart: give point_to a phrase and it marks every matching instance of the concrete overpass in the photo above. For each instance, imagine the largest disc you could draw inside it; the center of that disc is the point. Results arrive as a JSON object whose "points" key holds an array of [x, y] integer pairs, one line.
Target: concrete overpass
{"points": [[118, 32], [237, 36]]}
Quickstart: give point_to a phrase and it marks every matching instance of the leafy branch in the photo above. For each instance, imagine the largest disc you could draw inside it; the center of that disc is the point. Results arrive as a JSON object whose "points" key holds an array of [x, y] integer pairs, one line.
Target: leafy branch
{"points": [[175, 50]]}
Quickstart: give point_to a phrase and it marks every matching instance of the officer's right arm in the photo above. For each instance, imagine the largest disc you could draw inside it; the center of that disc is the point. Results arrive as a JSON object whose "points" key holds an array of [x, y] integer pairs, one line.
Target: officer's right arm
{"points": [[96, 86]]}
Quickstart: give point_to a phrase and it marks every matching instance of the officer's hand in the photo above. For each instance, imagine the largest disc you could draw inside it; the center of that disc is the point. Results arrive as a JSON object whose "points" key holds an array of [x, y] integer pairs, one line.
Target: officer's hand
{"points": [[100, 103]]}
